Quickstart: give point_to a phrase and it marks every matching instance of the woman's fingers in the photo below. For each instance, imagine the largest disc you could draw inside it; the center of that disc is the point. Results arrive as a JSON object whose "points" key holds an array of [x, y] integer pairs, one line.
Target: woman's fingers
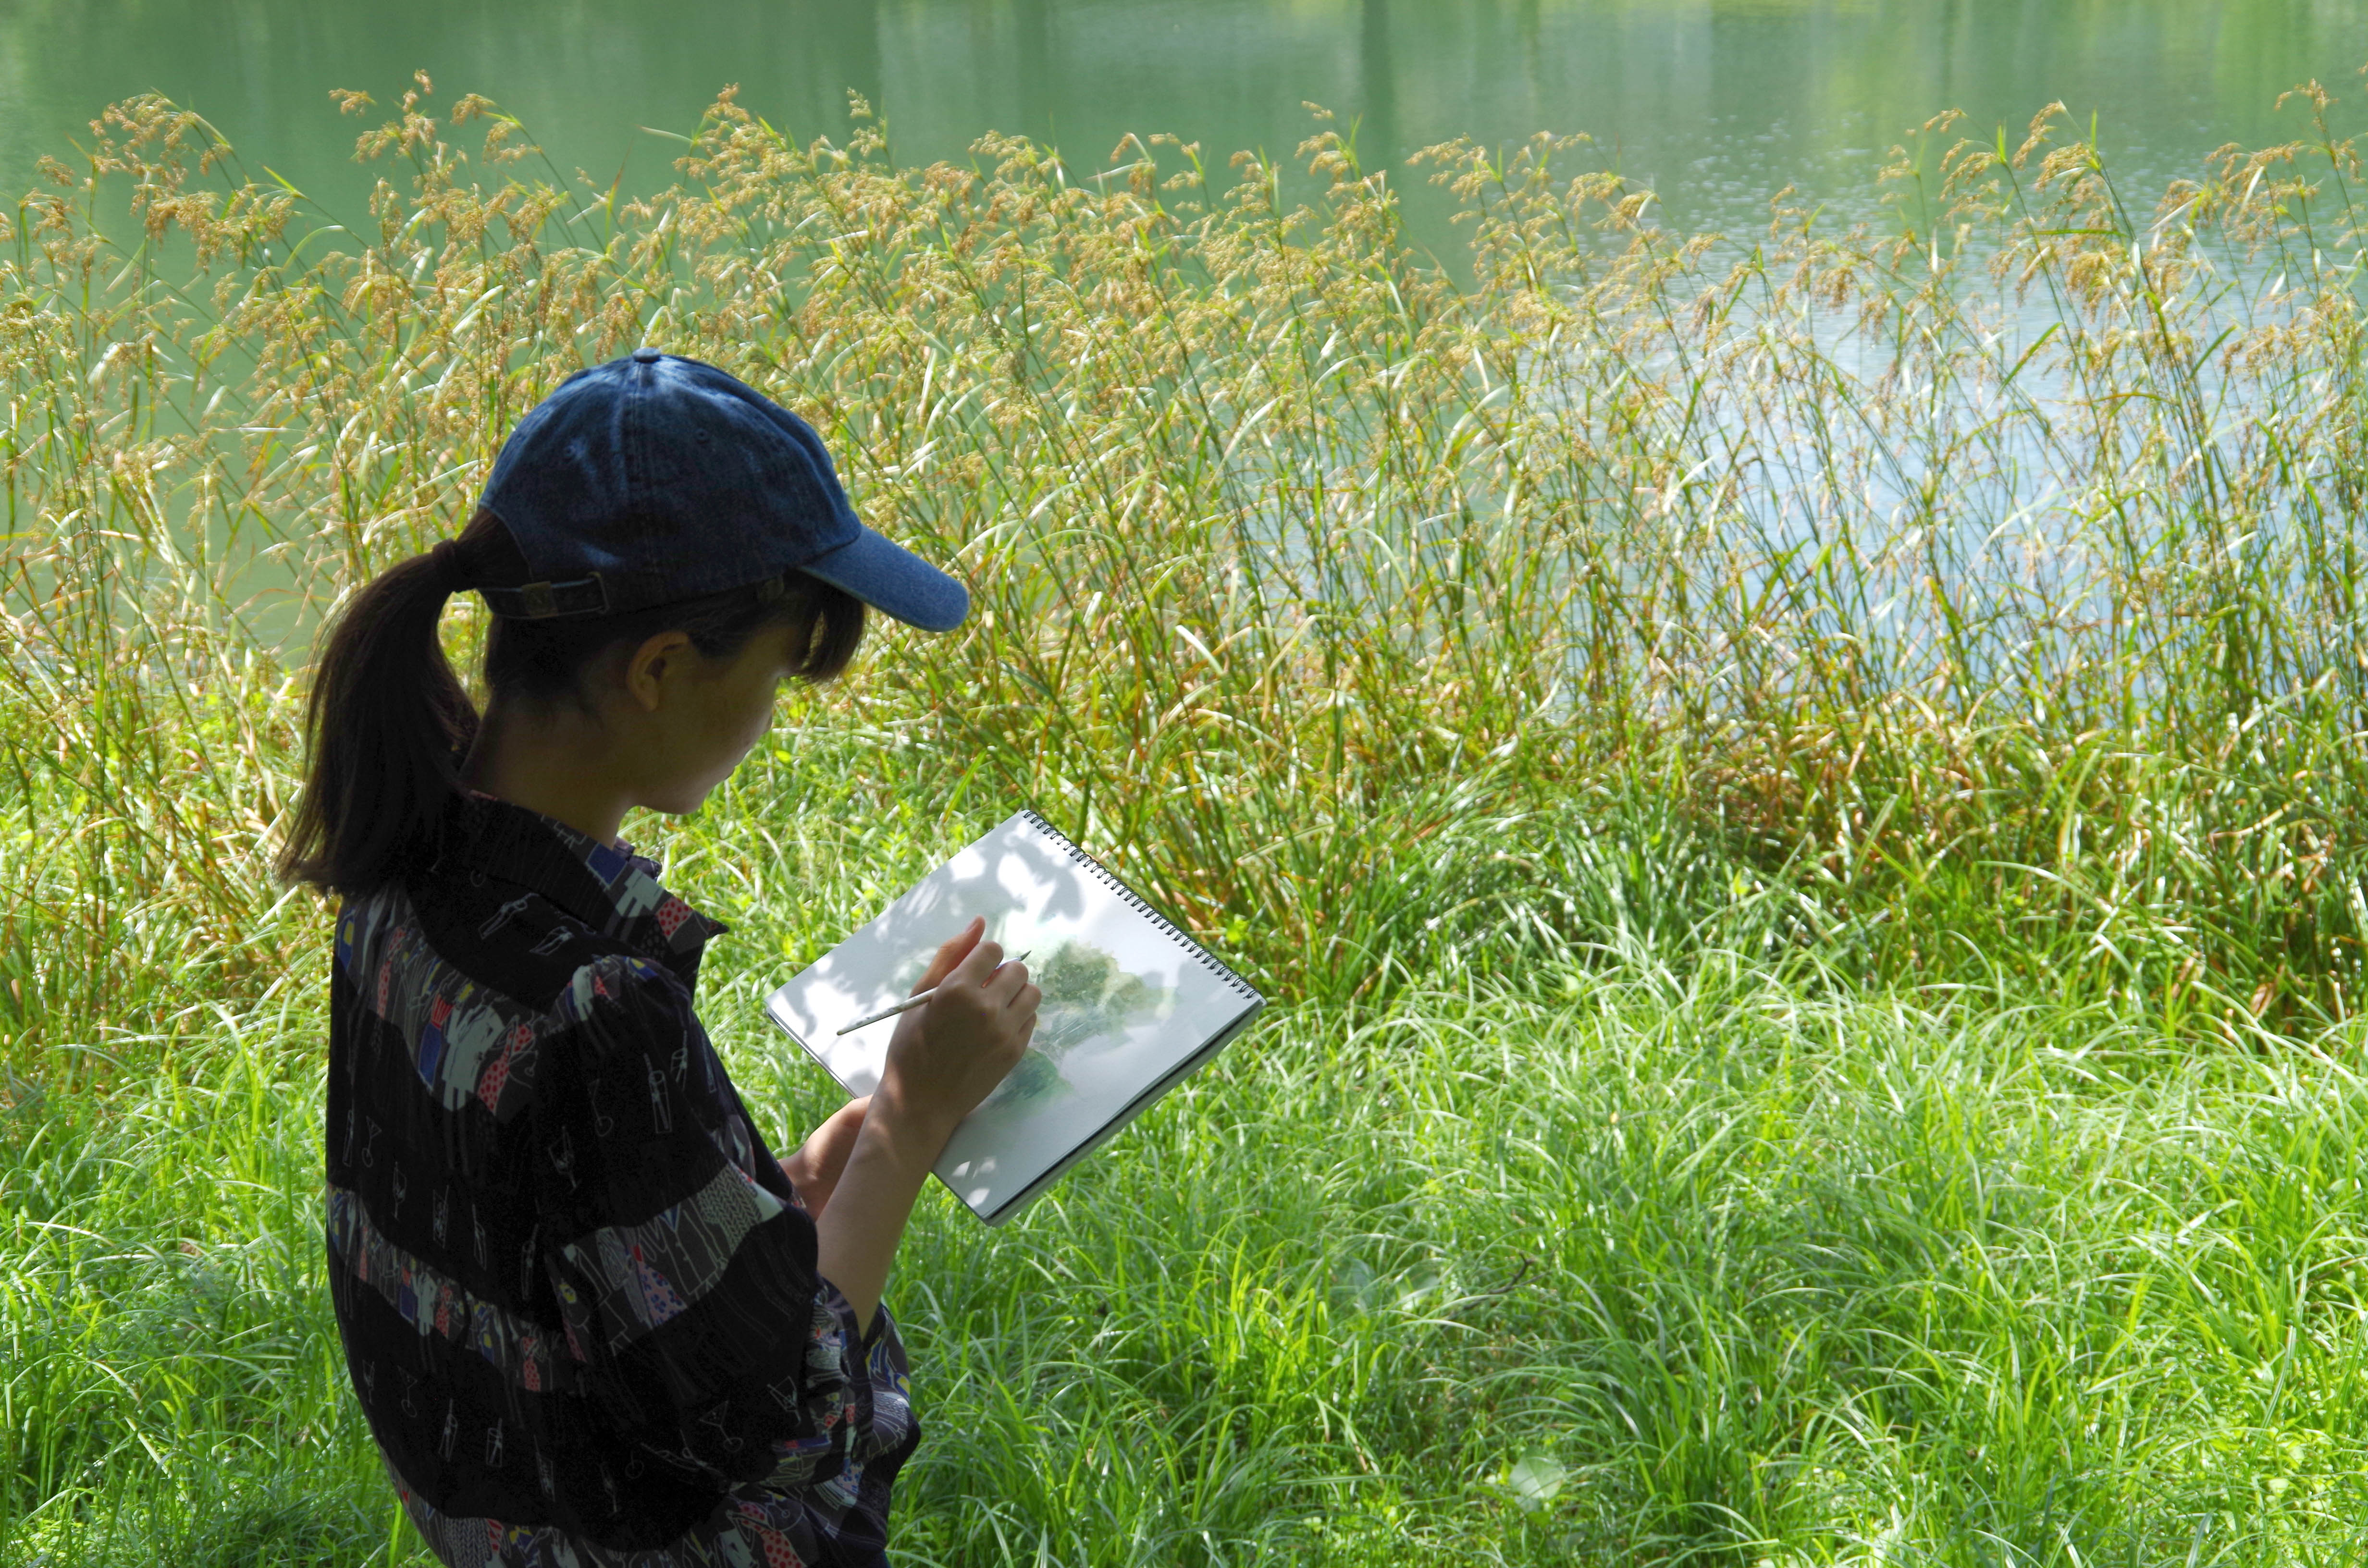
{"points": [[1007, 983], [950, 956], [977, 964]]}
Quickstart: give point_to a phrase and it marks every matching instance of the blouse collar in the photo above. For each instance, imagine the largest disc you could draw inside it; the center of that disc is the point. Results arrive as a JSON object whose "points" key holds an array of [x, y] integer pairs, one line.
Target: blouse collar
{"points": [[607, 886]]}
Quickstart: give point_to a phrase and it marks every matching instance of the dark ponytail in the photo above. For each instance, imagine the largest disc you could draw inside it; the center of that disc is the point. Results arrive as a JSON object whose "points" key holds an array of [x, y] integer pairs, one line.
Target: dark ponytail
{"points": [[389, 725]]}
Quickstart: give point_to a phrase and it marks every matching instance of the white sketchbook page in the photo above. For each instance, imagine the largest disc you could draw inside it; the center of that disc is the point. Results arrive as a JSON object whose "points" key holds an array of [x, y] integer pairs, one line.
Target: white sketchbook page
{"points": [[1124, 1004]]}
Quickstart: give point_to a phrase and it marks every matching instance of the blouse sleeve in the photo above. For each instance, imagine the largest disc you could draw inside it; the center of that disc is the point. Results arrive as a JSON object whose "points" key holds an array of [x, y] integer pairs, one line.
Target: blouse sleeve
{"points": [[685, 1268]]}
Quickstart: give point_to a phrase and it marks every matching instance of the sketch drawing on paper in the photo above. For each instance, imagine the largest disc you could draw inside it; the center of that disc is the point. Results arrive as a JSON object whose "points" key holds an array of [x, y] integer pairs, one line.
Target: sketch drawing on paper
{"points": [[1086, 996], [1089, 1005]]}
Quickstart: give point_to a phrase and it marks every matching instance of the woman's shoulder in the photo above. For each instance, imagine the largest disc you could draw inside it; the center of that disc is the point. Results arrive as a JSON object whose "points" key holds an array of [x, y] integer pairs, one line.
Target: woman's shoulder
{"points": [[479, 982], [519, 942]]}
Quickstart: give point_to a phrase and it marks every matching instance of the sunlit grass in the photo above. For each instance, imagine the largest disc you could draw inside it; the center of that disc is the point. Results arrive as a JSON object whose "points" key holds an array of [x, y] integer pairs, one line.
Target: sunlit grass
{"points": [[1643, 1262]]}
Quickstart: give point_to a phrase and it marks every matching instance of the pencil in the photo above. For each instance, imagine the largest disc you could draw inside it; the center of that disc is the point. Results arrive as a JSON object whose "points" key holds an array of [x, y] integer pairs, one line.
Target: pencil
{"points": [[909, 1003]]}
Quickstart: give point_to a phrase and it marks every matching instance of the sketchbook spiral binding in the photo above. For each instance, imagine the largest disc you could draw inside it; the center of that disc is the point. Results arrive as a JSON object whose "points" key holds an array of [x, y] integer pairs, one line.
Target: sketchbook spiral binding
{"points": [[1133, 900]]}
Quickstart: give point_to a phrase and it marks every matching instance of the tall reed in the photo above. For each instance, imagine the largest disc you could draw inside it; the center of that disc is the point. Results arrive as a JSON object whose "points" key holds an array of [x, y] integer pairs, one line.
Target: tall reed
{"points": [[1979, 593]]}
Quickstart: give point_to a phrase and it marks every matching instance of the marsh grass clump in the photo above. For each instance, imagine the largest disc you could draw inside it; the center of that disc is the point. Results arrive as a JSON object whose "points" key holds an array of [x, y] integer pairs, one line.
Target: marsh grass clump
{"points": [[1981, 593]]}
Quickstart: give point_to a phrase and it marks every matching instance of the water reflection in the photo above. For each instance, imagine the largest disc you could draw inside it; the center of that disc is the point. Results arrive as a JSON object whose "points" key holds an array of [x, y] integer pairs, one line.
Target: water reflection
{"points": [[1718, 102]]}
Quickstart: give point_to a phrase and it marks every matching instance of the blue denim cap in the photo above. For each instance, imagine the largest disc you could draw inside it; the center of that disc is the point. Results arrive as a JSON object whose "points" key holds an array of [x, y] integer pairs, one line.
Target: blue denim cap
{"points": [[656, 478]]}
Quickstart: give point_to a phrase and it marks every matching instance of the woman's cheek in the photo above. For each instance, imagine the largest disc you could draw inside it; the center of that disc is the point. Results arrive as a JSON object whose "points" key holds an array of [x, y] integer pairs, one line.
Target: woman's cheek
{"points": [[736, 739]]}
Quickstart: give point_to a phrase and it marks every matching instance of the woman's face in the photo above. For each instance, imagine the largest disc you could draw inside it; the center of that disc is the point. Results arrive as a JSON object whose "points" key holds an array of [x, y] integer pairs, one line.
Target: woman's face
{"points": [[706, 716]]}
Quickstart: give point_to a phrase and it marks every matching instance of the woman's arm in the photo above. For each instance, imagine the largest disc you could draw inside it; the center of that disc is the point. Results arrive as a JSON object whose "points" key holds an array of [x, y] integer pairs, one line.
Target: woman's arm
{"points": [[816, 1164], [944, 1058]]}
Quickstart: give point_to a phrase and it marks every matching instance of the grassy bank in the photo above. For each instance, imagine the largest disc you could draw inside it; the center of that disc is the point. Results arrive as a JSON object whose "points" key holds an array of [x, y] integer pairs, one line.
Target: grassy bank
{"points": [[1683, 1262], [1800, 792]]}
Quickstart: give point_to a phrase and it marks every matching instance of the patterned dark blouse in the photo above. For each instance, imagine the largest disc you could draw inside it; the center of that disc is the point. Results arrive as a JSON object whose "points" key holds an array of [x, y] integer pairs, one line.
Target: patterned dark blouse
{"points": [[578, 1296]]}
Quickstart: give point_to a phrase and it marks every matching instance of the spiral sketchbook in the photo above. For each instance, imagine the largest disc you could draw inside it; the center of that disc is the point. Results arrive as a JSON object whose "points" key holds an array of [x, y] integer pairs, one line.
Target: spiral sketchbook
{"points": [[1131, 1005]]}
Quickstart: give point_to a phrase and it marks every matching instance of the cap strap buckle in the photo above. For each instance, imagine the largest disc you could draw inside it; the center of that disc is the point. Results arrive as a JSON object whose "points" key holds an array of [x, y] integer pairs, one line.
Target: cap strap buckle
{"points": [[541, 601]]}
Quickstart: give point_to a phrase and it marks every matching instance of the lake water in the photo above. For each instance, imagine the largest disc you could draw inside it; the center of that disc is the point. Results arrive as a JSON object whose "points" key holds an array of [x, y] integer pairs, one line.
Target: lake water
{"points": [[1715, 103]]}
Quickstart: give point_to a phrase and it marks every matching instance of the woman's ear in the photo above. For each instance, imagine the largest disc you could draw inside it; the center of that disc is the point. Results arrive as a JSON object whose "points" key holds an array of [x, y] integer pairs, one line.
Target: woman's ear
{"points": [[651, 668]]}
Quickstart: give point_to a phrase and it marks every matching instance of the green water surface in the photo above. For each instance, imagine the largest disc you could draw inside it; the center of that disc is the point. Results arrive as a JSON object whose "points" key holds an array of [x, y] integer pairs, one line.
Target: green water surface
{"points": [[1715, 102]]}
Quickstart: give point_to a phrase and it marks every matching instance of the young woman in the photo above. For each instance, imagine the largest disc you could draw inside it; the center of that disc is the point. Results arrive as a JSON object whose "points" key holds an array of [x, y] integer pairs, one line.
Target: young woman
{"points": [[590, 1318]]}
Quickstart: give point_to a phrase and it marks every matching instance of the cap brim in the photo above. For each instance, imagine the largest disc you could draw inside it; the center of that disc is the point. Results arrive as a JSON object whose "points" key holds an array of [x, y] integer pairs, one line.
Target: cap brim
{"points": [[895, 581]]}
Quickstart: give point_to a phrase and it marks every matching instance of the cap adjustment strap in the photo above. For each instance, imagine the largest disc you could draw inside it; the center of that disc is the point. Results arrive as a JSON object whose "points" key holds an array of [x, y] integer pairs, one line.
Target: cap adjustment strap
{"points": [[541, 601]]}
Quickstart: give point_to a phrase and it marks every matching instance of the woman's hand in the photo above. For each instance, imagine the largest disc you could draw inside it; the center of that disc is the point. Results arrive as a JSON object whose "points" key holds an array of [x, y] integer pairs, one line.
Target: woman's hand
{"points": [[951, 1052], [814, 1168]]}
